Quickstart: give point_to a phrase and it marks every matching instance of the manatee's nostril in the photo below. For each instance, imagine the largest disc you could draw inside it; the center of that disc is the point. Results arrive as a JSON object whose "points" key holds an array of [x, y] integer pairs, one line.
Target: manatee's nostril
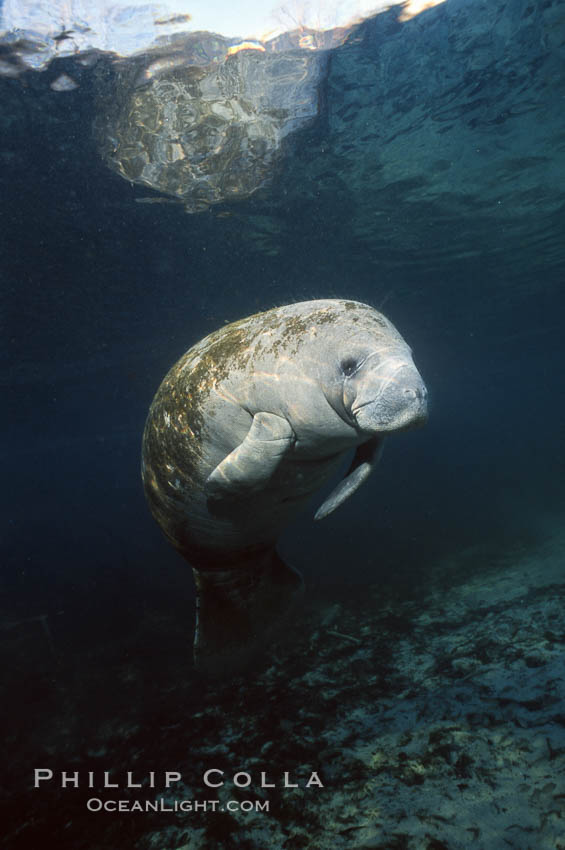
{"points": [[416, 392]]}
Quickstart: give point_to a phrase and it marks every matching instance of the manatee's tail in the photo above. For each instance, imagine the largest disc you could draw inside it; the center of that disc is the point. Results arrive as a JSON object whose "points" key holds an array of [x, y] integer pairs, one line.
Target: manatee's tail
{"points": [[239, 608]]}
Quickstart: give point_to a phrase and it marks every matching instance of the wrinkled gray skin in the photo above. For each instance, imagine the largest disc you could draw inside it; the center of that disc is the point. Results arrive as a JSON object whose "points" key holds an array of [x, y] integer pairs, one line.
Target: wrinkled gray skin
{"points": [[246, 427]]}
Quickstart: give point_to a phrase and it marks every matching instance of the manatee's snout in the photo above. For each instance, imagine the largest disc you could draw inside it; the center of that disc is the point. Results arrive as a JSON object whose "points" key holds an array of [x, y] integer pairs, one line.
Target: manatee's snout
{"points": [[393, 397], [415, 397]]}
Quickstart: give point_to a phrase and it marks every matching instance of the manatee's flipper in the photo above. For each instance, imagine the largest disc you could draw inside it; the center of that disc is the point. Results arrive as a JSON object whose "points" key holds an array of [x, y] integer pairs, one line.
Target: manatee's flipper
{"points": [[250, 466], [366, 458], [240, 608]]}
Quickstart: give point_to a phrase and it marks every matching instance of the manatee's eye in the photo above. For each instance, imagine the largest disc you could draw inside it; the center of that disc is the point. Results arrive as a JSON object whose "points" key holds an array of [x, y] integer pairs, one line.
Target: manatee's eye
{"points": [[349, 366]]}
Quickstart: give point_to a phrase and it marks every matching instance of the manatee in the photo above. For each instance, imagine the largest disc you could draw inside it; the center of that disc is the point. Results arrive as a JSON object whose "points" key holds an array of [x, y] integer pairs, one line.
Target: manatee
{"points": [[244, 428]]}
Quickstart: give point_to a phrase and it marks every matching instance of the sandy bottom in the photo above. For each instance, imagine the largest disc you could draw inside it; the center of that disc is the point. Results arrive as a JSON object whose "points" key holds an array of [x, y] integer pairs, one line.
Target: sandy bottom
{"points": [[435, 718]]}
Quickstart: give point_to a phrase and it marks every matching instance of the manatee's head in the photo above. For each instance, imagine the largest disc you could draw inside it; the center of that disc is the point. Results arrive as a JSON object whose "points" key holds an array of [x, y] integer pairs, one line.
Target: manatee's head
{"points": [[375, 385]]}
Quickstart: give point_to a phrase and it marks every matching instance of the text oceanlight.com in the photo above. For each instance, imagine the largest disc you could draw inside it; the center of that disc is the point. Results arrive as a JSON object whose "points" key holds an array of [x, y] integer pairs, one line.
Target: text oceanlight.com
{"points": [[95, 804]]}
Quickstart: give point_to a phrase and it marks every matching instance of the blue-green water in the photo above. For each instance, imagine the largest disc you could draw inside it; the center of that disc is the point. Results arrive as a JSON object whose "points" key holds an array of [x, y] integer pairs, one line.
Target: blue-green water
{"points": [[430, 184]]}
